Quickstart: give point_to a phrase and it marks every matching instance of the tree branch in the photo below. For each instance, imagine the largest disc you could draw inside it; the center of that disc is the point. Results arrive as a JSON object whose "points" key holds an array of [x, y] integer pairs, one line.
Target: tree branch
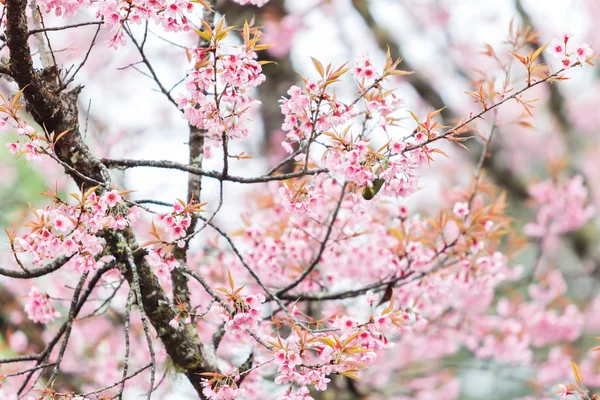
{"points": [[36, 273], [127, 163]]}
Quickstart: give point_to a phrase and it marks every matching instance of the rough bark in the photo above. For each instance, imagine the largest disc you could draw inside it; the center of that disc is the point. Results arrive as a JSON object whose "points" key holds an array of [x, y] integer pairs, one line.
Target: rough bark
{"points": [[57, 111]]}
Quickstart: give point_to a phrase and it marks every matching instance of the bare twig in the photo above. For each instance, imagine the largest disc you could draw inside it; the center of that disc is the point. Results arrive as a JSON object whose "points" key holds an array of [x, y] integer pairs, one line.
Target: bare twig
{"points": [[317, 258], [126, 163], [138, 295], [139, 371], [70, 320]]}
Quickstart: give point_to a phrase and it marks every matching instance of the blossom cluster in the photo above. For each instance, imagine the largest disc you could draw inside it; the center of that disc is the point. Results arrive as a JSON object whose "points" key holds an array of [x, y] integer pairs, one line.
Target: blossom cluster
{"points": [[168, 230], [38, 307], [72, 230], [456, 295], [308, 357], [434, 280], [246, 312], [563, 207], [172, 15], [391, 174], [558, 48], [31, 148], [222, 387], [313, 111], [29, 142], [217, 97], [300, 202]]}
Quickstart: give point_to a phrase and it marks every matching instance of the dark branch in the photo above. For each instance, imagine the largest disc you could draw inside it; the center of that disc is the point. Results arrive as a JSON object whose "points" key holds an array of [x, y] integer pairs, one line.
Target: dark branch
{"points": [[36, 273], [126, 163]]}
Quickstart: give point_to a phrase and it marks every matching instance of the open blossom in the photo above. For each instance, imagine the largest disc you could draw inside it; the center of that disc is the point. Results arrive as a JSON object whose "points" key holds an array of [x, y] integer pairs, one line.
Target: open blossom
{"points": [[38, 307], [25, 129], [583, 52], [556, 48], [13, 147], [564, 391], [567, 62], [31, 150], [461, 210], [364, 69], [117, 40], [371, 297], [397, 146], [112, 198]]}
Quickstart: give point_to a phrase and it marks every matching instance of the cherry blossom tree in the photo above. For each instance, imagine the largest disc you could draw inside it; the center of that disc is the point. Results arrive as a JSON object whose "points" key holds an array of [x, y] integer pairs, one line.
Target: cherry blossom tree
{"points": [[319, 264]]}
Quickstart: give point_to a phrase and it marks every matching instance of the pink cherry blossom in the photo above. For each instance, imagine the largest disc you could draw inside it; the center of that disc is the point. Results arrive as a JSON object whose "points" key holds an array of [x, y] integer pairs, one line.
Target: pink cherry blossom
{"points": [[583, 52], [38, 307], [563, 207], [461, 210], [556, 48], [332, 269], [112, 198], [13, 147], [364, 69], [564, 392], [567, 62]]}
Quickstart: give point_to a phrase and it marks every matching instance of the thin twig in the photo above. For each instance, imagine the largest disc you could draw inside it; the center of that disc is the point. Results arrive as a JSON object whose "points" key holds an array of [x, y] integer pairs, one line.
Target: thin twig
{"points": [[139, 300], [482, 113], [139, 371], [127, 342], [316, 260], [150, 68], [87, 54], [70, 320], [128, 163]]}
